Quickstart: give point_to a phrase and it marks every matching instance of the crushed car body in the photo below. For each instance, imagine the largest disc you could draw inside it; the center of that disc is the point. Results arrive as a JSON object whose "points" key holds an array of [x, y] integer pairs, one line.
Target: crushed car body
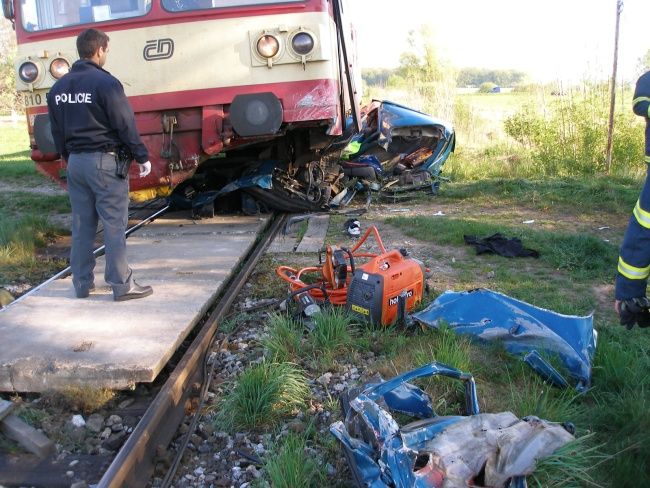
{"points": [[397, 151], [534, 334], [490, 450], [405, 148]]}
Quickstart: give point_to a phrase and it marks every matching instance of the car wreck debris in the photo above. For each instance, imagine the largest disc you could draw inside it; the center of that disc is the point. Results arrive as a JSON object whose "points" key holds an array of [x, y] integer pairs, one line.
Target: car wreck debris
{"points": [[398, 151], [534, 334], [490, 450]]}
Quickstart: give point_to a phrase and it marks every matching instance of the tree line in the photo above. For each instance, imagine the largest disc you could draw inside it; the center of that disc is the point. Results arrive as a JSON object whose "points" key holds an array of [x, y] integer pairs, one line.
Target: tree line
{"points": [[478, 76], [464, 76]]}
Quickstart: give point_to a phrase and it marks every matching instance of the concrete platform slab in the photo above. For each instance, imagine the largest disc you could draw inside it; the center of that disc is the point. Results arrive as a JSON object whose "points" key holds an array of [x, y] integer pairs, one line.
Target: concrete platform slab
{"points": [[52, 340], [314, 237]]}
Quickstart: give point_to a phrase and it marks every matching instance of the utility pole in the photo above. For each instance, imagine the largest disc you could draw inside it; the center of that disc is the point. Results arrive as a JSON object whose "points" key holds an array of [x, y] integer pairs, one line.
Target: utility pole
{"points": [[612, 101]]}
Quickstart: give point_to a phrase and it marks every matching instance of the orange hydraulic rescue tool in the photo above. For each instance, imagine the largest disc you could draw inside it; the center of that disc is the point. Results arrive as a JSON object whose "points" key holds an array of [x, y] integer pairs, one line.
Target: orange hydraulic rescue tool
{"points": [[382, 290]]}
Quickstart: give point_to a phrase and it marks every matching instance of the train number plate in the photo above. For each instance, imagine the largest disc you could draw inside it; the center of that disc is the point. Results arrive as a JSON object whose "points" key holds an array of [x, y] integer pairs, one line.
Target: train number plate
{"points": [[35, 99]]}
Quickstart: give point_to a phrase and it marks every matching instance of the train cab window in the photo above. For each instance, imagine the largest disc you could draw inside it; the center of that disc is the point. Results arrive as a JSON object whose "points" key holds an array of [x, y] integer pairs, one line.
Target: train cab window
{"points": [[41, 15], [184, 5]]}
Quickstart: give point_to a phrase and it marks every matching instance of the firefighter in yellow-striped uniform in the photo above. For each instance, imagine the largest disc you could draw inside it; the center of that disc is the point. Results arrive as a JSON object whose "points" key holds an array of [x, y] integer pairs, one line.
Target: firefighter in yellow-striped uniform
{"points": [[632, 304]]}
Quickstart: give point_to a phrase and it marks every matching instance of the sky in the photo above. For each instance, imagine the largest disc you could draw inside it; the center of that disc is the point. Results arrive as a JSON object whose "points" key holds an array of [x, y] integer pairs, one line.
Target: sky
{"points": [[551, 40]]}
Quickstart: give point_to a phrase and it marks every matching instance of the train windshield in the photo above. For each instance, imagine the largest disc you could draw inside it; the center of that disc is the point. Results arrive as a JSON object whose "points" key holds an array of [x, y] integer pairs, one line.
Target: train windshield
{"points": [[184, 5], [38, 15]]}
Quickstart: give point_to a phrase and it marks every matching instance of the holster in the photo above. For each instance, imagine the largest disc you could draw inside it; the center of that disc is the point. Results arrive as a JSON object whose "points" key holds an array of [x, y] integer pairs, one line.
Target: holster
{"points": [[123, 162]]}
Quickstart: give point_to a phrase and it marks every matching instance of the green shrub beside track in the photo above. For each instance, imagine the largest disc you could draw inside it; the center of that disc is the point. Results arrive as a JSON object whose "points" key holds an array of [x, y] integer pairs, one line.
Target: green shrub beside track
{"points": [[263, 395]]}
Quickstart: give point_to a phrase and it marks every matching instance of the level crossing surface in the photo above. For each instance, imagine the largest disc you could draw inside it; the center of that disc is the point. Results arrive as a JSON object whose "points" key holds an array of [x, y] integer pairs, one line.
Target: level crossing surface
{"points": [[52, 340]]}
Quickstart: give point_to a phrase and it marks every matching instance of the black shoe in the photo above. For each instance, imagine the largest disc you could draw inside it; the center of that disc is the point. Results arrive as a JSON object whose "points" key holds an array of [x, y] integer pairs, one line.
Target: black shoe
{"points": [[85, 293], [136, 291], [635, 310]]}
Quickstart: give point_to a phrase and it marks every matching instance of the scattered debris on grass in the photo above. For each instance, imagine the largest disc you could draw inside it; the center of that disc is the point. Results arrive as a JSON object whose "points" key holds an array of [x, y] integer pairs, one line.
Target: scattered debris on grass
{"points": [[495, 450], [525, 330]]}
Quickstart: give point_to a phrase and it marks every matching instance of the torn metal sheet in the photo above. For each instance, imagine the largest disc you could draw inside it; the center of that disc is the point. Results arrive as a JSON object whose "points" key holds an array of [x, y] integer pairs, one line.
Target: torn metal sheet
{"points": [[261, 177], [424, 140], [532, 333], [500, 445], [398, 151], [405, 148], [497, 450]]}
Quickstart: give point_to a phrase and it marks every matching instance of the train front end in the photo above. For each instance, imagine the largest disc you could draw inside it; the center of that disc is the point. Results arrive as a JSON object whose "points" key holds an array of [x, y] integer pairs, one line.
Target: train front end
{"points": [[217, 86]]}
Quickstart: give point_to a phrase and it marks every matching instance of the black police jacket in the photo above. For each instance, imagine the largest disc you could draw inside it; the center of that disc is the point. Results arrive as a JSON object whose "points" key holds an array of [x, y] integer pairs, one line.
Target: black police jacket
{"points": [[89, 112], [641, 105]]}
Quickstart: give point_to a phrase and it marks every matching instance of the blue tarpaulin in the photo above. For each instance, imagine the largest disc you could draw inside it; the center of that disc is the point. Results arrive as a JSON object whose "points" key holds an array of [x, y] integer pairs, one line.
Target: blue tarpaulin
{"points": [[532, 333]]}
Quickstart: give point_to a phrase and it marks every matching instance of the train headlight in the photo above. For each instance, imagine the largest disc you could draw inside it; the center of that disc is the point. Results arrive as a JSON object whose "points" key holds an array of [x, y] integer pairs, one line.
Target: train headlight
{"points": [[59, 67], [28, 72], [302, 43], [256, 114], [268, 46]]}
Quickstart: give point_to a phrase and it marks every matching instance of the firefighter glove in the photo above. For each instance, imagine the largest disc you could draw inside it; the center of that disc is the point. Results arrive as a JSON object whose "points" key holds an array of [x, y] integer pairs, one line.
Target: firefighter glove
{"points": [[635, 311]]}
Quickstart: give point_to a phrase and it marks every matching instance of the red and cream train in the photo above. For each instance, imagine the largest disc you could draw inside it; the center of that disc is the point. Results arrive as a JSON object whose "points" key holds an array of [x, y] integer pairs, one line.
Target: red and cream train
{"points": [[217, 86]]}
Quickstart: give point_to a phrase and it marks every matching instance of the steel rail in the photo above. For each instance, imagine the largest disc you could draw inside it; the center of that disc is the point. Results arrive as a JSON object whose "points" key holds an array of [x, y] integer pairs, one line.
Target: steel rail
{"points": [[134, 463], [97, 252]]}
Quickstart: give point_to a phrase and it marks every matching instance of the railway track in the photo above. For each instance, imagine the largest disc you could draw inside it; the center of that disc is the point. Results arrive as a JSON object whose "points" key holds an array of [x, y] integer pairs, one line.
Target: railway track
{"points": [[134, 463]]}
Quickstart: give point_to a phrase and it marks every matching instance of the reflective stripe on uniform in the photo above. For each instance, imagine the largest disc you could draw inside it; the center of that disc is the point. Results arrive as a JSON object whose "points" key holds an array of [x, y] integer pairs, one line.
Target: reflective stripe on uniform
{"points": [[632, 272], [640, 99], [647, 158], [642, 217]]}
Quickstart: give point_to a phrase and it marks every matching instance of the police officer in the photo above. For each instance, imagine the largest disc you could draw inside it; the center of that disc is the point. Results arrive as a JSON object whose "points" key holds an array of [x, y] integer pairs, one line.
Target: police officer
{"points": [[91, 121], [631, 303]]}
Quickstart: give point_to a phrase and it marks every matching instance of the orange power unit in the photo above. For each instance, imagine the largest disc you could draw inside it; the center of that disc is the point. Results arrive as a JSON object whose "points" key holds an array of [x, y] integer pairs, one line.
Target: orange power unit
{"points": [[385, 288]]}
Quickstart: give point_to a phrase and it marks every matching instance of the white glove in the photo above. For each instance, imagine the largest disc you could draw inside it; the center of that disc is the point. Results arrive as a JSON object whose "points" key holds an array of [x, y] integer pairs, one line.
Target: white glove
{"points": [[145, 169]]}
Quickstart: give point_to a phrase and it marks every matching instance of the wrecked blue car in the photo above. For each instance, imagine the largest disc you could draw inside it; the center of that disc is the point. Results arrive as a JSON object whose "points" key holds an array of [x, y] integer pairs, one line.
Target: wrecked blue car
{"points": [[560, 348], [398, 150], [488, 450]]}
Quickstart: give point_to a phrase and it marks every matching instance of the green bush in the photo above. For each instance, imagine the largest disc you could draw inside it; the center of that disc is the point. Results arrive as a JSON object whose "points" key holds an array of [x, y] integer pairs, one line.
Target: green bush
{"points": [[283, 339], [331, 331], [262, 395], [289, 465], [487, 87], [571, 139]]}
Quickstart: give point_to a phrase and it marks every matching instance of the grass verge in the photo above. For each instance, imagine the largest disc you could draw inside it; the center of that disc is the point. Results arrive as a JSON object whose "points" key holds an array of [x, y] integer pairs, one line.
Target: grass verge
{"points": [[283, 339], [587, 196], [582, 255], [15, 163], [570, 466], [19, 240], [24, 224], [16, 202], [563, 280]]}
